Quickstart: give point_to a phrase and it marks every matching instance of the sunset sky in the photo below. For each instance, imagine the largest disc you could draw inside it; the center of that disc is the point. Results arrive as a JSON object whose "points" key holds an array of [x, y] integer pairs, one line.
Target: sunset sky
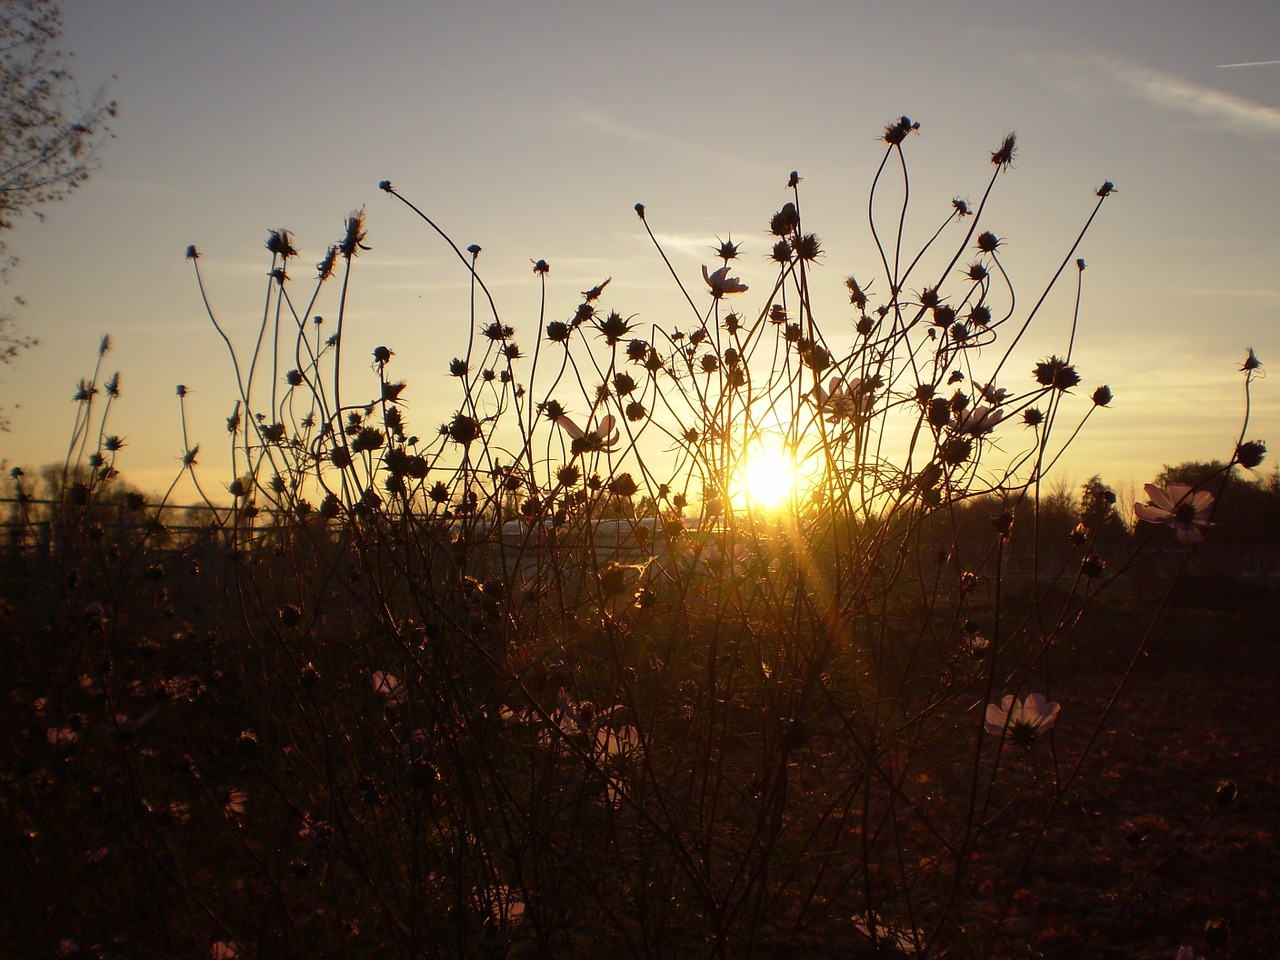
{"points": [[533, 129]]}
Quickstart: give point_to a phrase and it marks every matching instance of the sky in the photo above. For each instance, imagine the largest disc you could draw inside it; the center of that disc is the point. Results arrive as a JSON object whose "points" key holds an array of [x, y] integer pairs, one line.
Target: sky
{"points": [[533, 129]]}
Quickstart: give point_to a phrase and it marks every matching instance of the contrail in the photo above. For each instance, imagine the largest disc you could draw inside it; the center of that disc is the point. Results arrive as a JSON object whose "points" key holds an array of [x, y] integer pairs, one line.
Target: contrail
{"points": [[1255, 63]]}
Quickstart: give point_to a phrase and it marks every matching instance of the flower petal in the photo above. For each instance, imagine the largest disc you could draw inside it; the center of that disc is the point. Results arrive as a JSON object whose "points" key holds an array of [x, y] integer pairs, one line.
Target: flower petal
{"points": [[1152, 514], [1159, 497], [569, 427]]}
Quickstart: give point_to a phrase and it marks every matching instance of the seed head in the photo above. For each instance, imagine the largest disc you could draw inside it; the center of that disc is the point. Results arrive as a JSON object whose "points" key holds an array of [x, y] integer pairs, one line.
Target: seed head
{"points": [[896, 132], [807, 247], [988, 242], [623, 485], [785, 222], [1004, 156], [1056, 373], [613, 328], [280, 243], [727, 249], [1251, 453], [463, 429], [353, 239], [192, 252], [324, 269], [1102, 396]]}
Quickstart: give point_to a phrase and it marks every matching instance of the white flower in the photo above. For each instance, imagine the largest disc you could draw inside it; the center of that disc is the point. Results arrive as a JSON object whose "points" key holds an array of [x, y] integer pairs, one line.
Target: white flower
{"points": [[390, 687], [620, 742], [992, 394], [977, 422], [1023, 720], [843, 400], [721, 283], [599, 439], [1180, 507]]}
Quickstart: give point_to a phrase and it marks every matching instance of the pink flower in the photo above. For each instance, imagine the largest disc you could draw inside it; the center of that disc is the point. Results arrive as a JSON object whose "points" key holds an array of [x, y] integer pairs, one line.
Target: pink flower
{"points": [[721, 283], [390, 687], [1185, 510], [599, 440], [236, 800], [977, 422], [62, 736], [1023, 720], [843, 400], [992, 394]]}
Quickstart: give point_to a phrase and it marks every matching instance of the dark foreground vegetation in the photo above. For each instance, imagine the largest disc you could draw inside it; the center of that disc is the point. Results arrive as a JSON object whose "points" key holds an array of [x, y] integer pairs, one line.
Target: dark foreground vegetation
{"points": [[557, 678]]}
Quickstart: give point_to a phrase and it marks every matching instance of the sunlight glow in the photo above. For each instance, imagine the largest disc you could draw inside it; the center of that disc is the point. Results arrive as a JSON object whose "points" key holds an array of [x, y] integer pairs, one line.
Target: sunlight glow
{"points": [[768, 476]]}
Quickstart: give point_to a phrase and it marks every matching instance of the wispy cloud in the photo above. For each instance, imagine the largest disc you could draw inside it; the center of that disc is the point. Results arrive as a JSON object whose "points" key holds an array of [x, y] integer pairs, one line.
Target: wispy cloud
{"points": [[1251, 63], [1176, 95], [659, 141]]}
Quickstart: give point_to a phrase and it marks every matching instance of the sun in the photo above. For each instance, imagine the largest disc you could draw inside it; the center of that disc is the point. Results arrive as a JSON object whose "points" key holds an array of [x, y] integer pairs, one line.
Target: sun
{"points": [[768, 476]]}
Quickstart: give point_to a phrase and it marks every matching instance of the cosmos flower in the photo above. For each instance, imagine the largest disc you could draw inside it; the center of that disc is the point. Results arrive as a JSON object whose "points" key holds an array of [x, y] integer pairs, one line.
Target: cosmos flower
{"points": [[62, 736], [977, 422], [1180, 507], [602, 439], [890, 936], [617, 742], [843, 400], [721, 283], [236, 800], [993, 395], [1024, 720], [390, 687]]}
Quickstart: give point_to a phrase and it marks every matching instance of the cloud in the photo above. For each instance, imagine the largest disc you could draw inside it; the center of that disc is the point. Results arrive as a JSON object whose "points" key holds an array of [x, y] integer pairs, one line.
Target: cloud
{"points": [[660, 142], [1223, 110]]}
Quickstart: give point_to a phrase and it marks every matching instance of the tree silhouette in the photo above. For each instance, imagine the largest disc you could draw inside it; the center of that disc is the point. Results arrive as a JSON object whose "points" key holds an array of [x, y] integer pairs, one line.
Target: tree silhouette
{"points": [[49, 140]]}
